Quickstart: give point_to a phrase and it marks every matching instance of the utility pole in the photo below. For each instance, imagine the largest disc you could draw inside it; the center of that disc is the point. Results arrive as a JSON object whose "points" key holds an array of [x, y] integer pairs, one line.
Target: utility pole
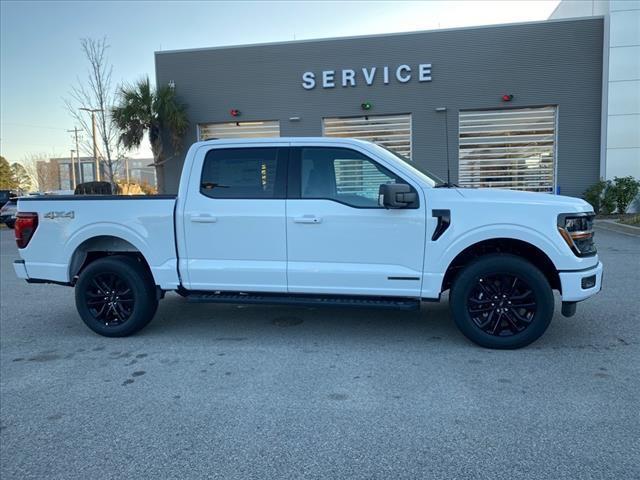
{"points": [[73, 172], [75, 132], [95, 140]]}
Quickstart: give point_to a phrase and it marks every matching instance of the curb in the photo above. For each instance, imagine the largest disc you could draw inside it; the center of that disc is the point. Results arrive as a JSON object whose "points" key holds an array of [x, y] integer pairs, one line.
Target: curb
{"points": [[614, 226]]}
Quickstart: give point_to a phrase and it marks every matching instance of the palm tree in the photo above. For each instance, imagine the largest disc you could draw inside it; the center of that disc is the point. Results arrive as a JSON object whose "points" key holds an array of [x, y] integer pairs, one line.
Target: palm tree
{"points": [[140, 109]]}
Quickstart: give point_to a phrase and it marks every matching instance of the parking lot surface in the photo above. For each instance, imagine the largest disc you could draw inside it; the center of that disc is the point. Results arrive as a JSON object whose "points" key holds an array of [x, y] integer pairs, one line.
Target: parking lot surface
{"points": [[209, 391]]}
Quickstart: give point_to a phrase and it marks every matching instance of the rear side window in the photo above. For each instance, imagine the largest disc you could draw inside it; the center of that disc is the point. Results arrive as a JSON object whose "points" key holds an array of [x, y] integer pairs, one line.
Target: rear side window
{"points": [[244, 173]]}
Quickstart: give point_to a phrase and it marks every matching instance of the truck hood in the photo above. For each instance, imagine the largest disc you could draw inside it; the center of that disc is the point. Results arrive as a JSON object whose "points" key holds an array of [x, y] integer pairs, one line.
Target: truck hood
{"points": [[494, 195]]}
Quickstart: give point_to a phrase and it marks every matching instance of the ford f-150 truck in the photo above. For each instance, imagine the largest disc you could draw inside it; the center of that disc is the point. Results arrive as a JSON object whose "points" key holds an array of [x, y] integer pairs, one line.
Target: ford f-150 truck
{"points": [[320, 222]]}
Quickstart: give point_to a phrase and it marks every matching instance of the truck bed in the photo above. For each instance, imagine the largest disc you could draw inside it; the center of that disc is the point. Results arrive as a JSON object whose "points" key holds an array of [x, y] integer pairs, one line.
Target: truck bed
{"points": [[68, 223]]}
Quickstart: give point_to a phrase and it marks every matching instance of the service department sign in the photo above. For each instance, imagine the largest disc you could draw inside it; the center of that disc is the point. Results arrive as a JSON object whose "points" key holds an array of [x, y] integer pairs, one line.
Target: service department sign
{"points": [[367, 76]]}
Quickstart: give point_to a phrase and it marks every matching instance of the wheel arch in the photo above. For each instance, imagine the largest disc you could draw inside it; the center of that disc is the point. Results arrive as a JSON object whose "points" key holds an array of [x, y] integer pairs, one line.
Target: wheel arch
{"points": [[513, 246], [100, 246]]}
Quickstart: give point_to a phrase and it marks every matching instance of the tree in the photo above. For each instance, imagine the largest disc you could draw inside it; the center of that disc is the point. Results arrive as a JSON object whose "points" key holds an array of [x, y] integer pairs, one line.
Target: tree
{"points": [[21, 177], [157, 112], [14, 176], [7, 182], [42, 173], [608, 204], [625, 190], [96, 92], [48, 176], [594, 194]]}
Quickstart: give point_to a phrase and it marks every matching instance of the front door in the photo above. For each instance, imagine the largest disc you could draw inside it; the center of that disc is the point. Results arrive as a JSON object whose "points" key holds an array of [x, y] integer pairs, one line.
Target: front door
{"points": [[339, 240], [234, 220]]}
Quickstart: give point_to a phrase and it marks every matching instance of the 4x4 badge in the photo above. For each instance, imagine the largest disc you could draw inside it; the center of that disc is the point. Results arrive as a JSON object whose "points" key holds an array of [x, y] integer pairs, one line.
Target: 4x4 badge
{"points": [[53, 215]]}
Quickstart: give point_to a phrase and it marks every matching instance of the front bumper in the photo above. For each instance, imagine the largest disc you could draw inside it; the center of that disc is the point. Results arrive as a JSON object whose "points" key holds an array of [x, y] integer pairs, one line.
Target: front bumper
{"points": [[572, 283], [20, 269]]}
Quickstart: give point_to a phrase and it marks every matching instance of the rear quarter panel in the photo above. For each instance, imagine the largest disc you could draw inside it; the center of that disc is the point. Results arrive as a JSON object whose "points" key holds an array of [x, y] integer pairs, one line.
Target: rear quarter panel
{"points": [[65, 223]]}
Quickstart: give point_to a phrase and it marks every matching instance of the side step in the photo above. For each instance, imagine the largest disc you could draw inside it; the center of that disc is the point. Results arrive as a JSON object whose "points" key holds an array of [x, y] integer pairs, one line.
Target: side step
{"points": [[396, 303]]}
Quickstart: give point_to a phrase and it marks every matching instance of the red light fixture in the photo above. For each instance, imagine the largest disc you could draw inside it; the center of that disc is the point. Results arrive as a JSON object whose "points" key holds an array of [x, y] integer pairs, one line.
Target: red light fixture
{"points": [[25, 227], [234, 112], [507, 97]]}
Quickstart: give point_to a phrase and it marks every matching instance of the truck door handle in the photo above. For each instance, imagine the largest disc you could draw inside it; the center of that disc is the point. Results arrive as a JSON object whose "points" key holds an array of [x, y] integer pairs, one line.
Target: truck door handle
{"points": [[203, 218], [307, 219]]}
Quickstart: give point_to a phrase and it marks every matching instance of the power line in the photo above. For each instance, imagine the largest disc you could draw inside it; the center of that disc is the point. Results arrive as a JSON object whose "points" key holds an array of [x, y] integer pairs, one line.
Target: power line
{"points": [[32, 126], [4, 144]]}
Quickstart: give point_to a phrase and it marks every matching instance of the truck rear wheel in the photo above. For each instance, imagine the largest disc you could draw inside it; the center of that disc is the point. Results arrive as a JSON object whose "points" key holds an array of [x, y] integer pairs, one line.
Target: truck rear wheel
{"points": [[115, 296], [501, 301]]}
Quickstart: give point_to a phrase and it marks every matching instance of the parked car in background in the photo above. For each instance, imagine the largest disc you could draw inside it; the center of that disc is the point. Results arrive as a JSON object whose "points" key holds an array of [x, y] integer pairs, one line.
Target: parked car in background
{"points": [[315, 222], [8, 212], [5, 195]]}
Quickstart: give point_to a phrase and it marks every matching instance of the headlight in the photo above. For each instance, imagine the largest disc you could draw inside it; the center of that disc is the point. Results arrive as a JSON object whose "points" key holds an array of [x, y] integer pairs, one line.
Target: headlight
{"points": [[577, 231]]}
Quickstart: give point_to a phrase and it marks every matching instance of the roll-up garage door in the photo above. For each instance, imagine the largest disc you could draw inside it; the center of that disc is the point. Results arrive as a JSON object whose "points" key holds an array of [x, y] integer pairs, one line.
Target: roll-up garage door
{"points": [[509, 148], [390, 131], [267, 128]]}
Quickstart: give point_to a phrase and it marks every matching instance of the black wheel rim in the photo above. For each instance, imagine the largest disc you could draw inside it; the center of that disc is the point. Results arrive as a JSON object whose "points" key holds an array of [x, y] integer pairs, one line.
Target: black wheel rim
{"points": [[110, 299], [502, 305]]}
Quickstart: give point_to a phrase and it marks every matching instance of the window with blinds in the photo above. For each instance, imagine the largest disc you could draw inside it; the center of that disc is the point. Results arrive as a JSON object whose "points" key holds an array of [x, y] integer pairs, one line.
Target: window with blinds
{"points": [[509, 148], [391, 131], [268, 128]]}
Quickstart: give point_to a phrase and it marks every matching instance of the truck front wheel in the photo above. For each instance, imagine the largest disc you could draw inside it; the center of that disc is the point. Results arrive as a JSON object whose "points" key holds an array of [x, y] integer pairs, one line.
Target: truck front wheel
{"points": [[501, 301], [115, 296]]}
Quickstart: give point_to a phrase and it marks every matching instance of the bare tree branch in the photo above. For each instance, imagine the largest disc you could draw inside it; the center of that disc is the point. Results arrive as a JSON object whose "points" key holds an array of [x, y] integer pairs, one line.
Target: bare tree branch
{"points": [[96, 92], [41, 172]]}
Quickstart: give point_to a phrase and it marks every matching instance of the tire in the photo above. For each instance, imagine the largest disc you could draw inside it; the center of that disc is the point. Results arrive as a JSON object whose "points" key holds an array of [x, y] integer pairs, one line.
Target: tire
{"points": [[131, 302], [490, 304]]}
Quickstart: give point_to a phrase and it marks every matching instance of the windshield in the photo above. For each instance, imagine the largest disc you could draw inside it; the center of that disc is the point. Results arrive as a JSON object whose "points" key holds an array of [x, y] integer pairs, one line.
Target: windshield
{"points": [[432, 178]]}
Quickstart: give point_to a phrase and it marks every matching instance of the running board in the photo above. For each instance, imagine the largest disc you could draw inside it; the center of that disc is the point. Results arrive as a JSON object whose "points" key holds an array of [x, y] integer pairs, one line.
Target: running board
{"points": [[396, 303]]}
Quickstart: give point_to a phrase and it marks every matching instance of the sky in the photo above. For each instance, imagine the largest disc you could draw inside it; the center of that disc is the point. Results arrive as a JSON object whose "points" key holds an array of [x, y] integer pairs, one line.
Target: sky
{"points": [[40, 55]]}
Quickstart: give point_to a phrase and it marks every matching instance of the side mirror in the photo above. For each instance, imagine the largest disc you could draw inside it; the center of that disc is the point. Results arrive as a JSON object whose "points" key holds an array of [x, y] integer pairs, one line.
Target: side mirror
{"points": [[396, 195]]}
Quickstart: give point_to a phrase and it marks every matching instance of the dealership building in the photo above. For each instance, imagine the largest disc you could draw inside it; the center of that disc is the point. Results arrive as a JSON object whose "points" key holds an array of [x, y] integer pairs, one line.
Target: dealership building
{"points": [[522, 106]]}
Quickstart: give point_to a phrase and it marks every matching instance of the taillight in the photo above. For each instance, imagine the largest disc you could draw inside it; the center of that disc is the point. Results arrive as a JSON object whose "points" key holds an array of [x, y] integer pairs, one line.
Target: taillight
{"points": [[25, 227]]}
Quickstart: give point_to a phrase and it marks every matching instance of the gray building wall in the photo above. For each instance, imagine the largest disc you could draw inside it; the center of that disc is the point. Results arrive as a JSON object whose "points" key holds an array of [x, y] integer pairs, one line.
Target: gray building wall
{"points": [[545, 63]]}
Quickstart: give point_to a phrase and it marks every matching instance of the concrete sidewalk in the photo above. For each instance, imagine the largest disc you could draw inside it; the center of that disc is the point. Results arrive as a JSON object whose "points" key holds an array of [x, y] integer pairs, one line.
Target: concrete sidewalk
{"points": [[615, 226]]}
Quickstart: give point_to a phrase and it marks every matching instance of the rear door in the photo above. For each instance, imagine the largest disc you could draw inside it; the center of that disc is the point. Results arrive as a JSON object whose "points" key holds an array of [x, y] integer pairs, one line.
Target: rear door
{"points": [[234, 219], [339, 241]]}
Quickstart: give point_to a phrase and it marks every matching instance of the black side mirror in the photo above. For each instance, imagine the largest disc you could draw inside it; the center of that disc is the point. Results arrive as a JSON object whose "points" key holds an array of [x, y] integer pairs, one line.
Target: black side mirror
{"points": [[396, 195]]}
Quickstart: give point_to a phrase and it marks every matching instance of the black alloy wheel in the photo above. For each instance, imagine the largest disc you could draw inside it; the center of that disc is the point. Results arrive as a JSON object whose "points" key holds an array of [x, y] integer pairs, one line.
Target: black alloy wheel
{"points": [[116, 295], [501, 301], [110, 299], [502, 305]]}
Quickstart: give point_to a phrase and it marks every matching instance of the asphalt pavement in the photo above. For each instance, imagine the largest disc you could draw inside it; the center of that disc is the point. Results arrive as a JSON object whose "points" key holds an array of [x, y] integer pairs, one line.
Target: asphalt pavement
{"points": [[210, 391]]}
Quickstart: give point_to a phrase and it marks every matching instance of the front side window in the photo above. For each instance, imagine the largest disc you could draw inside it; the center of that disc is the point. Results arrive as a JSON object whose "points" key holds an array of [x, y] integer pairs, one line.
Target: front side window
{"points": [[243, 173], [343, 175]]}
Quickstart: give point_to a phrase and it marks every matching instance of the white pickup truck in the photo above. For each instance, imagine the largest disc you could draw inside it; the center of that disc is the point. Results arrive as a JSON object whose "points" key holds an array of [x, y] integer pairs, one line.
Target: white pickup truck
{"points": [[315, 221]]}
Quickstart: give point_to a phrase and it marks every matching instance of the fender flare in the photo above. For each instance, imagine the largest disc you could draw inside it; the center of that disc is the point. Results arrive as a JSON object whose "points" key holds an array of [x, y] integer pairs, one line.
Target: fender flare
{"points": [[105, 229], [493, 232]]}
